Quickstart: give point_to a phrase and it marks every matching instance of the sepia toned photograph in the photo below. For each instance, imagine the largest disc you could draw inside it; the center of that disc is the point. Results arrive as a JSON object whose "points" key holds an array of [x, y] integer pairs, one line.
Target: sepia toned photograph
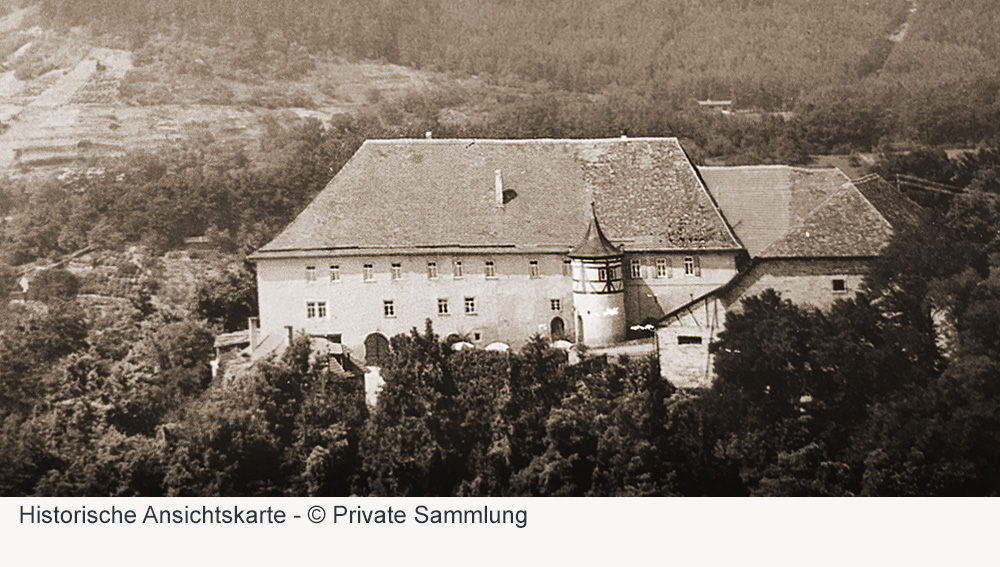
{"points": [[408, 248]]}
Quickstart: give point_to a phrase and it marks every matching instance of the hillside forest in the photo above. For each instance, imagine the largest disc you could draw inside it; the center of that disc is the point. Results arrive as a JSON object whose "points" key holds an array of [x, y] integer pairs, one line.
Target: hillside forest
{"points": [[105, 383]]}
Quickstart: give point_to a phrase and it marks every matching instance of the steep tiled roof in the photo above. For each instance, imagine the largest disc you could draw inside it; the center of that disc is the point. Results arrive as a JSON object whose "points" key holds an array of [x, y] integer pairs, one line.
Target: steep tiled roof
{"points": [[846, 224], [442, 193], [594, 244], [781, 211], [896, 207]]}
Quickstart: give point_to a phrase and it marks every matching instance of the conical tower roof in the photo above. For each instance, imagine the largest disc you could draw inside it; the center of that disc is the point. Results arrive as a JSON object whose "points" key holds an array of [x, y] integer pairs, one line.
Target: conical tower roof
{"points": [[595, 244]]}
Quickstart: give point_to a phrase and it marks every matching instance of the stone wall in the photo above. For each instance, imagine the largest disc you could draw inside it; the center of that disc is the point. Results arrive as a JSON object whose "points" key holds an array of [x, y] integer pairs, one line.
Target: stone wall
{"points": [[803, 281]]}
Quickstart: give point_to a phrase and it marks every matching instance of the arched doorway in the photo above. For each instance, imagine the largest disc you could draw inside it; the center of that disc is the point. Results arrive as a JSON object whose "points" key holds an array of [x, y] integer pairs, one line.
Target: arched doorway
{"points": [[376, 349], [557, 329]]}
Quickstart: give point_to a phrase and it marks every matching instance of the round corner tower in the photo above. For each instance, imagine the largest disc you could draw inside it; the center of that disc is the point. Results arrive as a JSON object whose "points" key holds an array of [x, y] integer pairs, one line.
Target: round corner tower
{"points": [[598, 289]]}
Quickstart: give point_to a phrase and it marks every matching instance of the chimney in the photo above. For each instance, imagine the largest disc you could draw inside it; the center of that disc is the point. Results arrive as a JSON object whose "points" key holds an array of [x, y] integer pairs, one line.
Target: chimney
{"points": [[254, 326], [498, 185], [288, 339]]}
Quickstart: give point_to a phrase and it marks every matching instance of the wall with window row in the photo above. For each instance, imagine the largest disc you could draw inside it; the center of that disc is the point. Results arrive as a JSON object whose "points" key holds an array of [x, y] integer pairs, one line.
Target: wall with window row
{"points": [[513, 296], [510, 306], [657, 292]]}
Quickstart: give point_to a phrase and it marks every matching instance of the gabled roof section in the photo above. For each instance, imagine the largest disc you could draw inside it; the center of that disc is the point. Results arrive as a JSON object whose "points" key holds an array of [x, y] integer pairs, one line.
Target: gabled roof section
{"points": [[594, 244], [891, 203], [846, 224], [788, 212], [395, 194]]}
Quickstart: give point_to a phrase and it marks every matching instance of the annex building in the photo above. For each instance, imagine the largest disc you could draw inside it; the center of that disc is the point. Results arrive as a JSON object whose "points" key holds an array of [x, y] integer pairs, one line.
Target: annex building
{"points": [[498, 240]]}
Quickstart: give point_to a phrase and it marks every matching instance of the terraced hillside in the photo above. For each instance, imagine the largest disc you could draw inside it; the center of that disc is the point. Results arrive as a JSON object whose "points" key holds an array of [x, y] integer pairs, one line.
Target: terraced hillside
{"points": [[68, 98]]}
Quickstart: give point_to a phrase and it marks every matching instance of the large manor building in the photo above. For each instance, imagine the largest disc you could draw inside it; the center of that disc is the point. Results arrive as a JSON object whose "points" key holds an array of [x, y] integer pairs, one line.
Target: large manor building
{"points": [[499, 240]]}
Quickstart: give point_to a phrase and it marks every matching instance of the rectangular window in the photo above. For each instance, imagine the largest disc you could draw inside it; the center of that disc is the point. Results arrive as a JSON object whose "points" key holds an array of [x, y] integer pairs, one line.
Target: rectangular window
{"points": [[661, 267], [334, 273], [311, 310], [470, 305], [692, 266], [369, 272], [839, 286], [602, 274], [567, 268], [397, 271], [388, 308], [491, 269], [321, 309], [442, 307], [555, 304], [432, 270], [635, 269], [688, 340], [310, 273], [459, 272], [533, 268]]}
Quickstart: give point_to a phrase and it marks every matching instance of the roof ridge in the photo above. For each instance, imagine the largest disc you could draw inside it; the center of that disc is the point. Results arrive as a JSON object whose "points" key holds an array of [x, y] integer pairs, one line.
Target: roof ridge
{"points": [[870, 204], [845, 188], [711, 198]]}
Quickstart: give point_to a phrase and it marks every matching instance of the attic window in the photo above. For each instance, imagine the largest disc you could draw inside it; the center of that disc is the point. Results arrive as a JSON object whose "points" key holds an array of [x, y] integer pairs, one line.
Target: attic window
{"points": [[310, 273], [397, 271], [491, 269], [839, 286], [533, 268], [567, 268], [369, 272], [688, 340]]}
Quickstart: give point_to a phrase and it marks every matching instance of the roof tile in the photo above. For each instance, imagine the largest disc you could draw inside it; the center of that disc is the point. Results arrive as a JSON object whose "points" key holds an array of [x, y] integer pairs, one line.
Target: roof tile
{"points": [[421, 193]]}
